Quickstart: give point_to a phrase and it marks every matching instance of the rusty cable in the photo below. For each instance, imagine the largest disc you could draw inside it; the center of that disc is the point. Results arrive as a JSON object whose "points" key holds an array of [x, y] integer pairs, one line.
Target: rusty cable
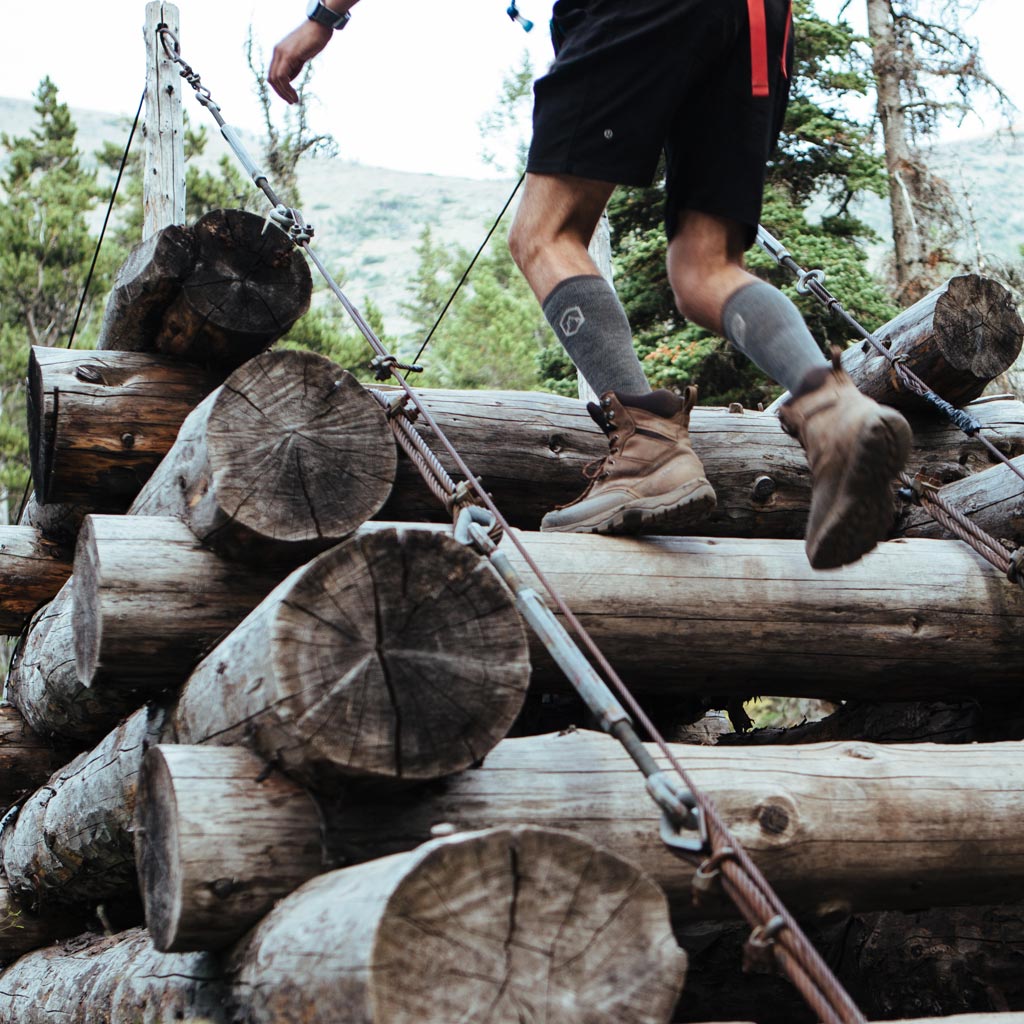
{"points": [[742, 879]]}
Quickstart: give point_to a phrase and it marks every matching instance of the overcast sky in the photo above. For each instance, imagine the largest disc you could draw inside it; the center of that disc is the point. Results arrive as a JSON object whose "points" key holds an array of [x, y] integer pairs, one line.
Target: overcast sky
{"points": [[403, 86]]}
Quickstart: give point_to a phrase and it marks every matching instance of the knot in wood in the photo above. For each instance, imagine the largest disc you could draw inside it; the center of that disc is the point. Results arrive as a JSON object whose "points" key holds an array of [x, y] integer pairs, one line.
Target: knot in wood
{"points": [[763, 489], [773, 818], [222, 888], [128, 440], [90, 373]]}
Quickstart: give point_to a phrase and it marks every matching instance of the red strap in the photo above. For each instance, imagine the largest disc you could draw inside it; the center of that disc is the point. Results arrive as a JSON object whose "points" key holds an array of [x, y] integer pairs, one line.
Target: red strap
{"points": [[785, 41], [758, 47]]}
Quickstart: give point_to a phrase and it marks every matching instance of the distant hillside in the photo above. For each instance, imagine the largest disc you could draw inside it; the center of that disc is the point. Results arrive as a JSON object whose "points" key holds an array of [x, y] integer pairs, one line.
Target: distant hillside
{"points": [[368, 219]]}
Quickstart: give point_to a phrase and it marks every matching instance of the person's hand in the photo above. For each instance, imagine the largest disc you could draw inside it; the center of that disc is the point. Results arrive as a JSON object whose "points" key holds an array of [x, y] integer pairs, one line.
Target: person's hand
{"points": [[292, 54]]}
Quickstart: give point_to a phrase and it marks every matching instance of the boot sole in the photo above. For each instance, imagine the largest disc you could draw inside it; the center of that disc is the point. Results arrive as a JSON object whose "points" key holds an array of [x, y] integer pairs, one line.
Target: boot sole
{"points": [[685, 506], [863, 510]]}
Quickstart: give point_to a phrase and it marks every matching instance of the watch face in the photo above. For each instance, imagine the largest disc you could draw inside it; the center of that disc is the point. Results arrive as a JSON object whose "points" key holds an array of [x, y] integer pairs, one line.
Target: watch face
{"points": [[311, 8]]}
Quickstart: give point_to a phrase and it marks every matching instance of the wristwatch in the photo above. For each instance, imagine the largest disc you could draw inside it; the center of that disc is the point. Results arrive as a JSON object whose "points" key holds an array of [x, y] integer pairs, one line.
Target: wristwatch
{"points": [[322, 15]]}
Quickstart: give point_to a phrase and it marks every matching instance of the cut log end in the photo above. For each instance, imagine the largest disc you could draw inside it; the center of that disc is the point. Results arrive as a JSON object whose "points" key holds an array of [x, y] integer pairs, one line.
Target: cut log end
{"points": [[402, 655], [204, 817], [514, 924], [977, 326]]}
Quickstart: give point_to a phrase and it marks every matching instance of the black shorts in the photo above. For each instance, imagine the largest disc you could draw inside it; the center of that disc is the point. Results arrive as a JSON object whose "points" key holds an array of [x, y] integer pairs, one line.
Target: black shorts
{"points": [[634, 77]]}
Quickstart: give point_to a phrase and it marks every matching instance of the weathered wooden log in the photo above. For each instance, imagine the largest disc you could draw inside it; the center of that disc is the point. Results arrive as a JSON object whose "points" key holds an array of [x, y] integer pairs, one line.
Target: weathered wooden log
{"points": [[146, 284], [100, 422], [244, 287], [26, 759], [956, 339], [57, 523], [959, 1018], [833, 826], [32, 570], [699, 616], [205, 818], [22, 930], [45, 687], [150, 601], [993, 500], [283, 460], [512, 924], [117, 979], [397, 656], [836, 828], [71, 842], [530, 449]]}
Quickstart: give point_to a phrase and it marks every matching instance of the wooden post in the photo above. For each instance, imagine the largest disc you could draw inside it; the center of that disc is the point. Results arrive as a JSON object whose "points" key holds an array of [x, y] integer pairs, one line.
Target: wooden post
{"points": [[163, 199]]}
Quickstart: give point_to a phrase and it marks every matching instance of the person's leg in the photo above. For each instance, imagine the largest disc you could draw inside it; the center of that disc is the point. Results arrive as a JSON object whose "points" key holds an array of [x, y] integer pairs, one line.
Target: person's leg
{"points": [[854, 446], [549, 238], [712, 288]]}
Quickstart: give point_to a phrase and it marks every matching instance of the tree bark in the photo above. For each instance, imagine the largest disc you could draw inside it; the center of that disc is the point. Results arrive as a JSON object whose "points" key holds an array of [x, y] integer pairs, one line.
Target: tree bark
{"points": [[530, 450], [688, 616], [45, 687], [72, 841], [117, 979], [991, 500], [26, 760], [834, 827], [32, 570], [146, 284], [218, 839], [100, 422], [22, 930], [956, 339], [510, 924], [150, 601], [217, 294], [283, 460], [397, 656], [837, 828], [57, 523]]}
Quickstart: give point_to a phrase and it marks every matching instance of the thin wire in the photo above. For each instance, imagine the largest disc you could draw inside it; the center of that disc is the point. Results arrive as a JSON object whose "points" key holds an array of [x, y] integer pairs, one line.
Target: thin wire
{"points": [[472, 263], [106, 219]]}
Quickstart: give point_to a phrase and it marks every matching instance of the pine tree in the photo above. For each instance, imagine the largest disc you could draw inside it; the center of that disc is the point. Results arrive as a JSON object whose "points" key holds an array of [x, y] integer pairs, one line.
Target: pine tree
{"points": [[45, 251]]}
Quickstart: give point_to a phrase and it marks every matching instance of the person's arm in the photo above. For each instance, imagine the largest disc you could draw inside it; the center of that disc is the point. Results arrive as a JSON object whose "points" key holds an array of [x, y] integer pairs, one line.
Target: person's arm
{"points": [[299, 47]]}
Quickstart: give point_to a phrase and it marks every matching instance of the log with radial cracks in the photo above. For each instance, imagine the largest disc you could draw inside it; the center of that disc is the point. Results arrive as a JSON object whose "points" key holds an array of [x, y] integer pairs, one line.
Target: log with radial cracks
{"points": [[100, 422], [59, 523], [150, 601], [218, 840], [956, 339], [285, 459], [512, 924], [71, 842], [116, 979], [395, 656], [217, 293], [44, 684], [32, 570]]}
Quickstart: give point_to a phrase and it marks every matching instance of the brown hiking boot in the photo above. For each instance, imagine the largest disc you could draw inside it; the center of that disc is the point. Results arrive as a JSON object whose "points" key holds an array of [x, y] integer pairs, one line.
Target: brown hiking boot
{"points": [[855, 448], [650, 477]]}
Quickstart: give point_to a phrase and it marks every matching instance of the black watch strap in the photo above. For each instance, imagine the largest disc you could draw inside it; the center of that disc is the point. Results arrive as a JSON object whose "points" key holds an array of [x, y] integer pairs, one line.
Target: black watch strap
{"points": [[325, 16]]}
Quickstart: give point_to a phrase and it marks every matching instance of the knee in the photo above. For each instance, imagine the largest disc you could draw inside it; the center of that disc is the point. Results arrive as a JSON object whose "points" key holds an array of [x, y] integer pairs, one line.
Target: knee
{"points": [[521, 245], [687, 291]]}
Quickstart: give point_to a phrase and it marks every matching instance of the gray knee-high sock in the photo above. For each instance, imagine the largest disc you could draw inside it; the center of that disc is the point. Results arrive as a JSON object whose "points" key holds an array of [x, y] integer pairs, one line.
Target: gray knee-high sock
{"points": [[591, 324], [768, 329]]}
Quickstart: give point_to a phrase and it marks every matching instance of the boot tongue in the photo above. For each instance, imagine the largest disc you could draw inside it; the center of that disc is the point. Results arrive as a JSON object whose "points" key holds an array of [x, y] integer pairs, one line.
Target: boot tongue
{"points": [[597, 415], [660, 403]]}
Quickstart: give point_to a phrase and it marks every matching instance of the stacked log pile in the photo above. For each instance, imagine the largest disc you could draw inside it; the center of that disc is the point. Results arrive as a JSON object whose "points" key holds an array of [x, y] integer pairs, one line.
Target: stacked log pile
{"points": [[290, 722]]}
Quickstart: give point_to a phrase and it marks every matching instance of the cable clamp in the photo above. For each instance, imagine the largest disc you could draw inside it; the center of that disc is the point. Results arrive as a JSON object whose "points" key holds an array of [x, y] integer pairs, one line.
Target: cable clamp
{"points": [[1015, 574], [383, 366], [919, 489], [808, 278], [291, 222], [708, 877], [758, 957], [679, 813]]}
